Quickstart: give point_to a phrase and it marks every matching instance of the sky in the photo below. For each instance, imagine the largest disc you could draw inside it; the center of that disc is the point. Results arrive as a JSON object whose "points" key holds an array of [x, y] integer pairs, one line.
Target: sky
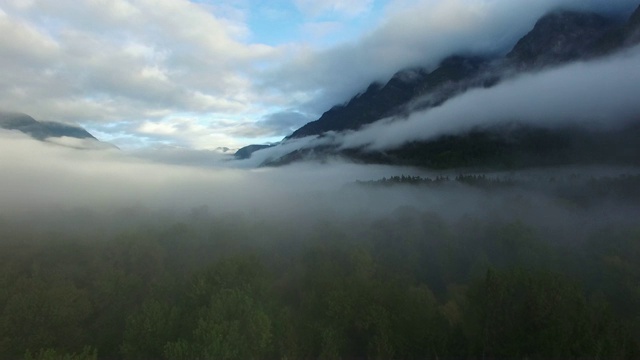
{"points": [[203, 74]]}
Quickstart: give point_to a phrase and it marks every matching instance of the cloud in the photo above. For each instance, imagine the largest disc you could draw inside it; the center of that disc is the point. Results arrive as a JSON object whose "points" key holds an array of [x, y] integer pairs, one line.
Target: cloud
{"points": [[80, 144], [416, 33], [284, 122], [45, 186], [597, 94], [123, 60], [126, 61], [39, 175]]}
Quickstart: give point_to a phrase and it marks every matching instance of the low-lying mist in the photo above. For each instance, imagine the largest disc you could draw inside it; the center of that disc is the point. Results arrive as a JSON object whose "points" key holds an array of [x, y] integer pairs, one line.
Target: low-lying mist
{"points": [[43, 180], [596, 95], [106, 254]]}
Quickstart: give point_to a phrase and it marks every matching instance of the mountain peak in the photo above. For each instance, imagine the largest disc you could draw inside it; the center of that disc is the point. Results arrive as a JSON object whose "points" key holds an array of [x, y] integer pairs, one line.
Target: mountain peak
{"points": [[557, 38], [633, 28], [560, 36], [634, 20], [41, 130]]}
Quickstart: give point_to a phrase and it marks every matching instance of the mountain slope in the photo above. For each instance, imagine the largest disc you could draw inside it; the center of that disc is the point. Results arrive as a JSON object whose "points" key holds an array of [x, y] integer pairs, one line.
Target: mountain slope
{"points": [[41, 130], [557, 38], [560, 37], [380, 101]]}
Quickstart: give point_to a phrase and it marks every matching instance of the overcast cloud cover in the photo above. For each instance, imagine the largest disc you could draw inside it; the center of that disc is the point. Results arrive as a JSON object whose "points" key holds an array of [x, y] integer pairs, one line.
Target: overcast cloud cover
{"points": [[206, 74]]}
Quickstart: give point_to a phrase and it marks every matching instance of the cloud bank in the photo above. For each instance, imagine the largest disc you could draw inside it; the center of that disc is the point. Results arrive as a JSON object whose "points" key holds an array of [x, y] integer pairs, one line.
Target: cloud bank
{"points": [[596, 94], [39, 175], [599, 94], [50, 188]]}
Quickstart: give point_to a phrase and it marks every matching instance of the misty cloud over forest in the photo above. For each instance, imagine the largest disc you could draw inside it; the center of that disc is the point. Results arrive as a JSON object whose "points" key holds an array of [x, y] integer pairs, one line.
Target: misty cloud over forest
{"points": [[596, 95], [41, 177], [171, 247]]}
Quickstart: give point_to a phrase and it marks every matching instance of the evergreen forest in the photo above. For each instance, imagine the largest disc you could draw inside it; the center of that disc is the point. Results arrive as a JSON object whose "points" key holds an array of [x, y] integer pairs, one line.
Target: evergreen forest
{"points": [[407, 283]]}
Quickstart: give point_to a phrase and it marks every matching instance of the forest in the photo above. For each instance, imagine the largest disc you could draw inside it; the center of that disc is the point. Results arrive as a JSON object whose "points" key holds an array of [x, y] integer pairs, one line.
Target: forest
{"points": [[517, 278]]}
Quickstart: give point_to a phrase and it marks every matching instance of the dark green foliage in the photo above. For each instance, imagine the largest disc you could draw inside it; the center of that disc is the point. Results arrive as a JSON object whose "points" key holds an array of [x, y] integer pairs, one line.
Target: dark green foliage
{"points": [[42, 315], [407, 285], [516, 146], [232, 326], [578, 190], [149, 330], [88, 353], [519, 314]]}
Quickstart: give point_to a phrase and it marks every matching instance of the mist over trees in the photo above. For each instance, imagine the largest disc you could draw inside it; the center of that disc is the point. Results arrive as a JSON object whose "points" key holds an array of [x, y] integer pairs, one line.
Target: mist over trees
{"points": [[515, 277], [444, 252]]}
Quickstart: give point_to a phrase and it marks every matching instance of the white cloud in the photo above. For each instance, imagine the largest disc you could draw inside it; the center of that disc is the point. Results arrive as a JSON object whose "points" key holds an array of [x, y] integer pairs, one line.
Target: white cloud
{"points": [[601, 93], [417, 33], [123, 60]]}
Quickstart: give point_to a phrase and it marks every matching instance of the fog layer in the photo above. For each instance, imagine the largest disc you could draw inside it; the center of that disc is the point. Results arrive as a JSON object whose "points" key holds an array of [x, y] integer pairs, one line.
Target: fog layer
{"points": [[45, 184]]}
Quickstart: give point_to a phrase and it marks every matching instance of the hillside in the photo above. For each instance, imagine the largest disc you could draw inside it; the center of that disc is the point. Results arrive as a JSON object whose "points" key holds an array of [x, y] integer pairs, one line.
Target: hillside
{"points": [[559, 38], [41, 130]]}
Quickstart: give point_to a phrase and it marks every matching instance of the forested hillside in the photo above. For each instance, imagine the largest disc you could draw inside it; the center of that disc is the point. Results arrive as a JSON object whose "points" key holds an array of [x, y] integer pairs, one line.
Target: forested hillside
{"points": [[412, 284]]}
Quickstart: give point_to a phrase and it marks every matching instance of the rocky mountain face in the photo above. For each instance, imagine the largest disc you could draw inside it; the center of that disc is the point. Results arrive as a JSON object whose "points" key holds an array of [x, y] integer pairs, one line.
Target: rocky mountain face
{"points": [[41, 130], [380, 101], [561, 37], [557, 38]]}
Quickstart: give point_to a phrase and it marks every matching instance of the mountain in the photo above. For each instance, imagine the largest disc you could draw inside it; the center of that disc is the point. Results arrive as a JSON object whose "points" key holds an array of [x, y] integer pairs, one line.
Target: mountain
{"points": [[245, 152], [560, 37], [41, 130], [557, 38], [380, 101], [52, 132]]}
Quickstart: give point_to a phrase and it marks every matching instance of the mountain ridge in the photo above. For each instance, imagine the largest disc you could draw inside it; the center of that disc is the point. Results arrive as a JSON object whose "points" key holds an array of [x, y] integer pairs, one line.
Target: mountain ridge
{"points": [[557, 38], [51, 131]]}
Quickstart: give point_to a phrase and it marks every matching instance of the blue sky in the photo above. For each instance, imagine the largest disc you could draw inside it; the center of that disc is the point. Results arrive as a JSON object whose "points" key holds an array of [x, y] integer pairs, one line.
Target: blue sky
{"points": [[204, 74], [282, 22]]}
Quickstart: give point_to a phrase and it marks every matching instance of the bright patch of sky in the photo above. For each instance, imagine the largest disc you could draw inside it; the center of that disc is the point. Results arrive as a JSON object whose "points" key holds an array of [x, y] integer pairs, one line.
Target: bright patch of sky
{"points": [[286, 22]]}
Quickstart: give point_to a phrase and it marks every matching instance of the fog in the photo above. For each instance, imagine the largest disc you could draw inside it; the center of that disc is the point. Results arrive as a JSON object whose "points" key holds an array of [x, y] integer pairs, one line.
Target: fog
{"points": [[47, 185], [103, 235], [179, 253], [597, 94]]}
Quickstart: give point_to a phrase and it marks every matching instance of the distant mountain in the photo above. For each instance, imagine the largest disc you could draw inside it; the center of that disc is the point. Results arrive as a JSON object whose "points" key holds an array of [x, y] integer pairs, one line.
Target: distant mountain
{"points": [[41, 130], [245, 152], [52, 132], [560, 37], [557, 38], [380, 101]]}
